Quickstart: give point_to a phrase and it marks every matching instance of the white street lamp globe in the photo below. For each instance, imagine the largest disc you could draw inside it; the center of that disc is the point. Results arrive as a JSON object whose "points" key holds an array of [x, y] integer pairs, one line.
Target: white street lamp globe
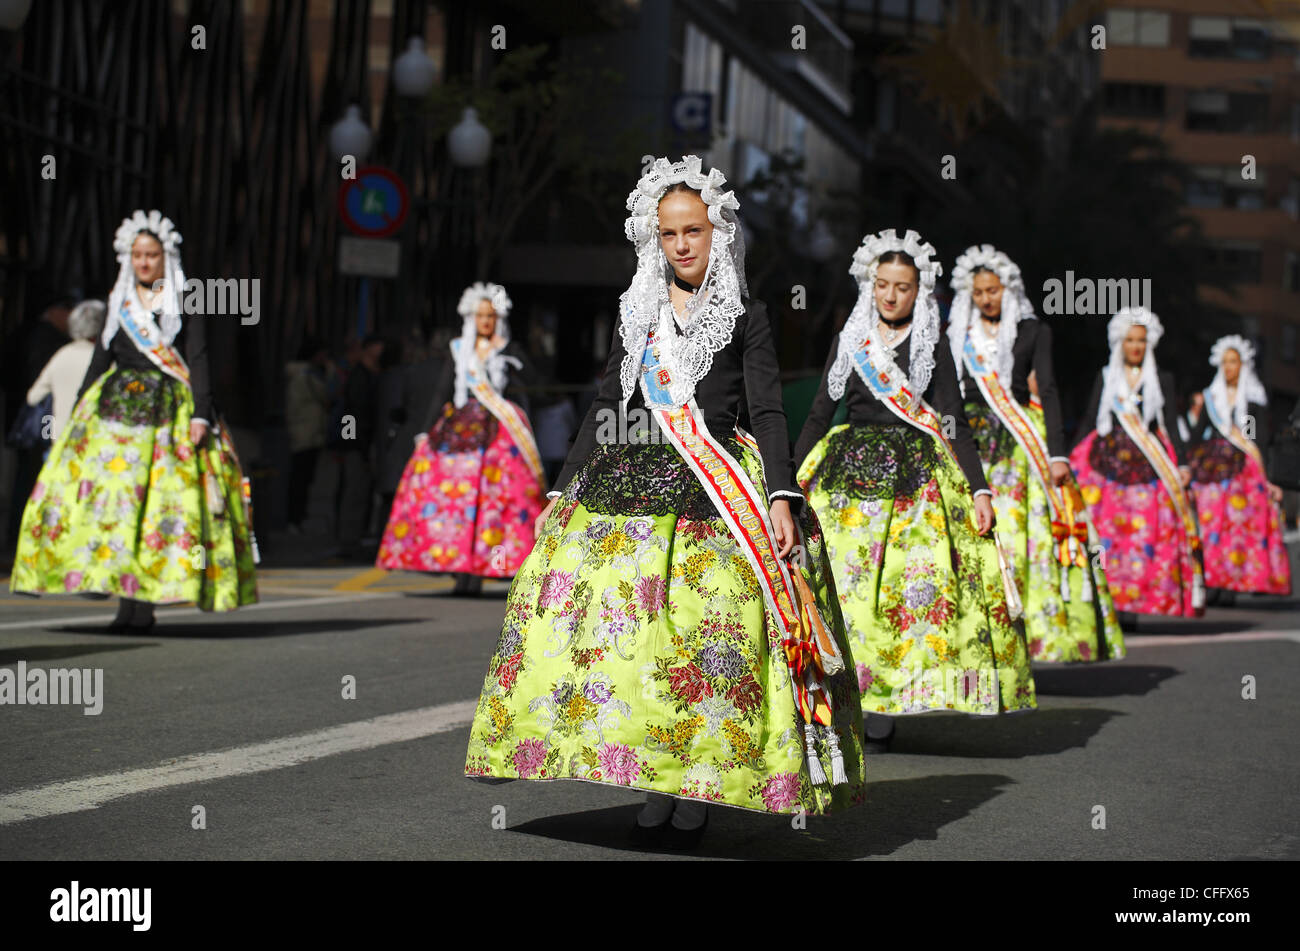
{"points": [[470, 143], [413, 71], [350, 136], [13, 13]]}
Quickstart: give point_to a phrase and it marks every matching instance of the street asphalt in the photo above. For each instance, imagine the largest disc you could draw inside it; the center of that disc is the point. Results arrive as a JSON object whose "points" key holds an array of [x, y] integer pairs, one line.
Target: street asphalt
{"points": [[244, 715]]}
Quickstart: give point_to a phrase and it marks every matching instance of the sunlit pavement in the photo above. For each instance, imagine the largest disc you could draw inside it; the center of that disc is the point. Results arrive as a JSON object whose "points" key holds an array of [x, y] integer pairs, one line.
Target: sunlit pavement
{"points": [[244, 715]]}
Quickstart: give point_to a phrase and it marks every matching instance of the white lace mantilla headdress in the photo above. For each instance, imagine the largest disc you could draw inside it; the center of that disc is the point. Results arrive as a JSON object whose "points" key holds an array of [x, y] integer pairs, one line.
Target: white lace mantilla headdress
{"points": [[711, 313], [169, 319], [863, 322], [497, 364], [1249, 388], [1015, 305], [1115, 380]]}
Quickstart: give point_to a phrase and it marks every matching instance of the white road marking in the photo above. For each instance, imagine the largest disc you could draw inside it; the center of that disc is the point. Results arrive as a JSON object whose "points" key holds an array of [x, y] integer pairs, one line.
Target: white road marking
{"points": [[1164, 640], [163, 613], [79, 795]]}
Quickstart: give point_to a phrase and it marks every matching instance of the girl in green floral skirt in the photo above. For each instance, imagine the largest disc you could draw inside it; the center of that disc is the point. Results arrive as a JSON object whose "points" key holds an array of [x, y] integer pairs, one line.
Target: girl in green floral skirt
{"points": [[648, 640], [141, 495], [905, 507]]}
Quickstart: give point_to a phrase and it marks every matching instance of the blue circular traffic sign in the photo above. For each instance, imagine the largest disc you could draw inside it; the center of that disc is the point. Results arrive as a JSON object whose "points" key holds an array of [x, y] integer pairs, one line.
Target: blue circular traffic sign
{"points": [[374, 204]]}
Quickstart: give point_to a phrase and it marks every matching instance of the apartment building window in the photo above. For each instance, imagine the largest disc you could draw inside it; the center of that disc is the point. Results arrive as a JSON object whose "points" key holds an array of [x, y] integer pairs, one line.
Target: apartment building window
{"points": [[1213, 110], [1291, 273], [928, 11], [1228, 38], [1137, 28], [1221, 186], [1290, 203], [1288, 348], [1238, 262], [1135, 100]]}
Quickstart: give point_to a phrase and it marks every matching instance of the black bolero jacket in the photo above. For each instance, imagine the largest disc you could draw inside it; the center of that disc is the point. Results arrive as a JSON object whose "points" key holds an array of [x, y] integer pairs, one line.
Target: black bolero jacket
{"points": [[743, 387], [192, 341], [517, 383], [1032, 351], [1169, 414], [865, 410]]}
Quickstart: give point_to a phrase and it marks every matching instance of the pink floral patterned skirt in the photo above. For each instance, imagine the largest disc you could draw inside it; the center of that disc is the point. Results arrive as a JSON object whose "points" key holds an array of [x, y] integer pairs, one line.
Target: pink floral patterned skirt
{"points": [[1240, 526], [466, 503], [1148, 557]]}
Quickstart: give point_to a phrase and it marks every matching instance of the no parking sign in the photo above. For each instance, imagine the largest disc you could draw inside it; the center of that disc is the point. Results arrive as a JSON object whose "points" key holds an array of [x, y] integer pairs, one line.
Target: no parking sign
{"points": [[375, 203]]}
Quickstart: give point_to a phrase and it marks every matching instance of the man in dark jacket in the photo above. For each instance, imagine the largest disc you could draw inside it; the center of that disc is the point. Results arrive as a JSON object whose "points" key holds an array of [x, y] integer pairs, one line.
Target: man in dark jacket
{"points": [[360, 423]]}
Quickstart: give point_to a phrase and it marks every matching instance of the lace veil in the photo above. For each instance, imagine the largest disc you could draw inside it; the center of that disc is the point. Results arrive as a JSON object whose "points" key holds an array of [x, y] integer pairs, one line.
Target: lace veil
{"points": [[864, 319], [169, 320], [1015, 305], [1115, 381], [1249, 388], [711, 313], [496, 365]]}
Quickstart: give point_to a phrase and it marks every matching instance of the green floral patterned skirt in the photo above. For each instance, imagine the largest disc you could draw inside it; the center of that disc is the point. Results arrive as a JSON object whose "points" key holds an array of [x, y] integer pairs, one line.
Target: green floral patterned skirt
{"points": [[1078, 629], [125, 505], [921, 592], [637, 651]]}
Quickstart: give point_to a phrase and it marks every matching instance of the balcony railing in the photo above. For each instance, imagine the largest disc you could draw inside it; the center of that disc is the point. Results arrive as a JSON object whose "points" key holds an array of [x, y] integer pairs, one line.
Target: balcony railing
{"points": [[819, 52]]}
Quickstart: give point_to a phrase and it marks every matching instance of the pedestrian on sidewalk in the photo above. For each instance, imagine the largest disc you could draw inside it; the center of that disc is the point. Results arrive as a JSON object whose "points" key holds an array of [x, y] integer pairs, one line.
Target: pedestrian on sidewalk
{"points": [[307, 414]]}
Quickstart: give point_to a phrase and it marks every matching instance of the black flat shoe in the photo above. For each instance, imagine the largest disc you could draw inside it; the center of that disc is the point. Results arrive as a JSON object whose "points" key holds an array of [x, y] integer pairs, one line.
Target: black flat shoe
{"points": [[878, 744], [648, 836], [684, 840]]}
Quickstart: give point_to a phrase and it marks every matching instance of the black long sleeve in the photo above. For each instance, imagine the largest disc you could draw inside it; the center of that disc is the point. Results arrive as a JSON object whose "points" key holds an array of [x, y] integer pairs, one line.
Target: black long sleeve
{"points": [[608, 397], [520, 381], [767, 418], [1088, 421], [820, 414], [442, 393], [1263, 428], [1048, 395], [944, 394], [196, 355], [1169, 413], [100, 361]]}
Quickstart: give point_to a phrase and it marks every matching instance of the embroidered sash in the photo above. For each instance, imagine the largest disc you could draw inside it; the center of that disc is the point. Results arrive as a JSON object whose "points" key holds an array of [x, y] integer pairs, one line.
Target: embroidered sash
{"points": [[148, 339], [1069, 529], [506, 413], [1231, 432], [811, 652], [1154, 451], [1012, 416]]}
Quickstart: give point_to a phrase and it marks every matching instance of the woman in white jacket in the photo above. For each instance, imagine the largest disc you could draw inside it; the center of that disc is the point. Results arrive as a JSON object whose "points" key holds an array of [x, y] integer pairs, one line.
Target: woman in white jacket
{"points": [[63, 374]]}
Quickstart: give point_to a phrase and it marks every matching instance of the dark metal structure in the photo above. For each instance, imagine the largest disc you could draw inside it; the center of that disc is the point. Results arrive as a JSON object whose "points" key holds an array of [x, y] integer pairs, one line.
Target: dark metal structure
{"points": [[107, 107]]}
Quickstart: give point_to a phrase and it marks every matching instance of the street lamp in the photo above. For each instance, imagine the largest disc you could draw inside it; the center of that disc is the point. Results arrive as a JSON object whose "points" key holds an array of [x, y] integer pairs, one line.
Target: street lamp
{"points": [[13, 13], [350, 136], [414, 71], [469, 142]]}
